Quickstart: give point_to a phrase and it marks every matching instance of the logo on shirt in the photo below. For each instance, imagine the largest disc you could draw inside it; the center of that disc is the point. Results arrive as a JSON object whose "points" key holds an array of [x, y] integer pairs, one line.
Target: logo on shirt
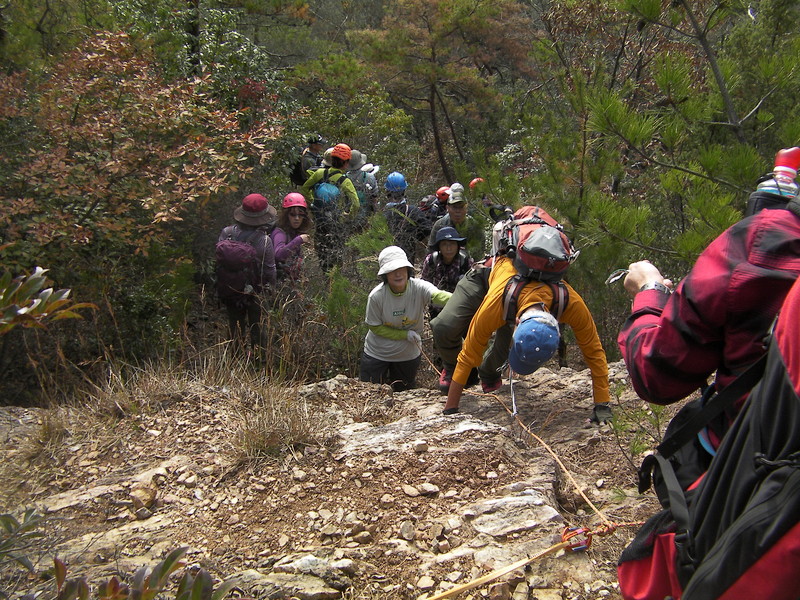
{"points": [[399, 313]]}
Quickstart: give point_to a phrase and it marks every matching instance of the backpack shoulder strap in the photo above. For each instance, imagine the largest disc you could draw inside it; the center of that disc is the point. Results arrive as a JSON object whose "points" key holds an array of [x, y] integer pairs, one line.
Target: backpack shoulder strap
{"points": [[514, 288], [511, 297], [715, 406], [560, 299]]}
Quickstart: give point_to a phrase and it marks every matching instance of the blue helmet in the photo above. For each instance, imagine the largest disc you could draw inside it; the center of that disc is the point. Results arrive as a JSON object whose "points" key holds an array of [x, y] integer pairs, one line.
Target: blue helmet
{"points": [[535, 341], [395, 182]]}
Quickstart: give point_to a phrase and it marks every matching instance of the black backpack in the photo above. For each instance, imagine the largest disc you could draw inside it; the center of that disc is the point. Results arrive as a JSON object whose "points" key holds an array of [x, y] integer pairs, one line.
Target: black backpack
{"points": [[735, 532], [298, 175]]}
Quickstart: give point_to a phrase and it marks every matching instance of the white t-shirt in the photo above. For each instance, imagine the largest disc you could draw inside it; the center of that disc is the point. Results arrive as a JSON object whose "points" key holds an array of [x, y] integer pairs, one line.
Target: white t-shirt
{"points": [[401, 311]]}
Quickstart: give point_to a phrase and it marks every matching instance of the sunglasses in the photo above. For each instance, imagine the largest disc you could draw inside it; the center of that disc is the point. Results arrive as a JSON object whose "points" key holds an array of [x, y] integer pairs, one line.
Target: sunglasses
{"points": [[297, 213]]}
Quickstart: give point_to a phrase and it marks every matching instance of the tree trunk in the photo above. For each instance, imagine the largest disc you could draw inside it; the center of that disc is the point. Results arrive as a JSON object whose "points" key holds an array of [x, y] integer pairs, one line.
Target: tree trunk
{"points": [[437, 139]]}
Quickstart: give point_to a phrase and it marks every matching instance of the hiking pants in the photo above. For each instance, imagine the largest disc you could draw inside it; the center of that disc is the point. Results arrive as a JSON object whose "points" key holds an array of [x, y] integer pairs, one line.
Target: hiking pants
{"points": [[243, 320], [400, 375], [450, 326]]}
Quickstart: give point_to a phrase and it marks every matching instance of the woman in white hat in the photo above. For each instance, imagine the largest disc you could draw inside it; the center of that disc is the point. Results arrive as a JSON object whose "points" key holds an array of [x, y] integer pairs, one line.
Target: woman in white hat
{"points": [[395, 317]]}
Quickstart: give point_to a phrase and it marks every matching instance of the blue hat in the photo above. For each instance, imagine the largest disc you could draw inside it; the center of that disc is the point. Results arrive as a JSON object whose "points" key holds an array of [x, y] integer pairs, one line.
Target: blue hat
{"points": [[535, 341], [448, 233]]}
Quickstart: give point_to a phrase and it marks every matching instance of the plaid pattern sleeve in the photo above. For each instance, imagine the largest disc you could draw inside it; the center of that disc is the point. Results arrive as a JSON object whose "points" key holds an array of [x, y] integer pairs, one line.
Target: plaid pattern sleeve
{"points": [[719, 314]]}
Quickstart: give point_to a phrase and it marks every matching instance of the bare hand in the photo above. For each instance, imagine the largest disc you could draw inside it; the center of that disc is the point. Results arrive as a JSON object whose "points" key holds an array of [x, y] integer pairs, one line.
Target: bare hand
{"points": [[641, 273], [304, 237]]}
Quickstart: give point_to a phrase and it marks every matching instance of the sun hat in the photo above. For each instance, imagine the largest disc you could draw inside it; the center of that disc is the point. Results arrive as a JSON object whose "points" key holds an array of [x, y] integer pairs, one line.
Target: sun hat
{"points": [[392, 258], [456, 197], [535, 341], [326, 157], [255, 210], [357, 160], [448, 233], [456, 187]]}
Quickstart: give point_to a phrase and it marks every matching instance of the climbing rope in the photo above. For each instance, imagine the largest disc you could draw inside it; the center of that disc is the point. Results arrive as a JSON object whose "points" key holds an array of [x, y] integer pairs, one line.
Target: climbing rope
{"points": [[573, 539]]}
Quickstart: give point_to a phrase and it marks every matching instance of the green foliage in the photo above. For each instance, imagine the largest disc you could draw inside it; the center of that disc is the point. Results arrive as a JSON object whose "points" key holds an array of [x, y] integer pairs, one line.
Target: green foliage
{"points": [[146, 584], [641, 425], [24, 303], [18, 538]]}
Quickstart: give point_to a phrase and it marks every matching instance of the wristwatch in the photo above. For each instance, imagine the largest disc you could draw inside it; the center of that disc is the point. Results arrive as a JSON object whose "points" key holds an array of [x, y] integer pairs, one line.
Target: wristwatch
{"points": [[655, 285]]}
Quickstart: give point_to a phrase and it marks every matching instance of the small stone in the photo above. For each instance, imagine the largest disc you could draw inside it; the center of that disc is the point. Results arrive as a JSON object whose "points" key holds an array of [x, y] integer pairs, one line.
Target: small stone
{"points": [[428, 489], [363, 537], [410, 490], [143, 513], [425, 583], [233, 519], [491, 475], [407, 531], [299, 475], [386, 501], [420, 446], [600, 483]]}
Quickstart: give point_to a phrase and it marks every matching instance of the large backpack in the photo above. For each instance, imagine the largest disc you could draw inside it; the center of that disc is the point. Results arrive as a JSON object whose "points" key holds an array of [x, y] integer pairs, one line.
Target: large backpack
{"points": [[537, 244], [736, 532], [237, 268], [326, 192]]}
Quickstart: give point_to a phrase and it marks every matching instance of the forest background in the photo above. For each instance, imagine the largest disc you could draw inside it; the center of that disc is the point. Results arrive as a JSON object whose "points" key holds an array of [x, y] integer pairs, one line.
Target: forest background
{"points": [[130, 129]]}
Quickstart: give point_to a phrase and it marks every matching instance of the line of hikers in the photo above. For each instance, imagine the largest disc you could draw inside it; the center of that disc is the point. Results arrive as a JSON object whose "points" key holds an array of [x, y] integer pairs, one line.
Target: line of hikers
{"points": [[728, 470]]}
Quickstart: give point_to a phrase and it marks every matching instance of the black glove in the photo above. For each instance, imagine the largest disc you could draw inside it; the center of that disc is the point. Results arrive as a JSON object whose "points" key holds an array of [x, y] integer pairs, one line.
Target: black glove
{"points": [[601, 413], [450, 411]]}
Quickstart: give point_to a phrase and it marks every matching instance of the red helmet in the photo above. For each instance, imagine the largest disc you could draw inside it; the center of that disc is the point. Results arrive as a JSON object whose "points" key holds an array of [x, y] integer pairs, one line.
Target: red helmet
{"points": [[342, 151], [294, 199], [475, 182], [443, 193]]}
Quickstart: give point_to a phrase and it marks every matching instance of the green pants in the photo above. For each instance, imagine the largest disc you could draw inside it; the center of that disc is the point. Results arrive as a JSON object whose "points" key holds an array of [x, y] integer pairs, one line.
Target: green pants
{"points": [[451, 325]]}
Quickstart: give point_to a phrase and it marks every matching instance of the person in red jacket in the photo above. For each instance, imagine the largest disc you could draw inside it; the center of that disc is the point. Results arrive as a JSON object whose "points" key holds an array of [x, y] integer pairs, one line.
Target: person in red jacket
{"points": [[716, 319]]}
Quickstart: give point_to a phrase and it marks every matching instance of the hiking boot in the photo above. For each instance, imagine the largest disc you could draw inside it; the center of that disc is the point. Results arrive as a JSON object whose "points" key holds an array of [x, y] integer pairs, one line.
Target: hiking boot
{"points": [[444, 381], [489, 386]]}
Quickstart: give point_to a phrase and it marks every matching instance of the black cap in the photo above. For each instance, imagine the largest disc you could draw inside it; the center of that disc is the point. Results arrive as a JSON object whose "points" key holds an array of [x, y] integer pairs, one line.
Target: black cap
{"points": [[316, 139]]}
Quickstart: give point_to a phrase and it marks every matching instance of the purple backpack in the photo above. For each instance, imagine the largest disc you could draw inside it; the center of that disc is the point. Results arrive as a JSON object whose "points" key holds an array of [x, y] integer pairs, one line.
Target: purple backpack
{"points": [[237, 269]]}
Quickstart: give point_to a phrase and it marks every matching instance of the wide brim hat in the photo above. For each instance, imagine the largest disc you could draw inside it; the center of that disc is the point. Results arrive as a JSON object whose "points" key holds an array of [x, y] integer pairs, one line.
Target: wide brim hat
{"points": [[392, 258], [255, 211], [535, 341], [448, 233], [357, 160]]}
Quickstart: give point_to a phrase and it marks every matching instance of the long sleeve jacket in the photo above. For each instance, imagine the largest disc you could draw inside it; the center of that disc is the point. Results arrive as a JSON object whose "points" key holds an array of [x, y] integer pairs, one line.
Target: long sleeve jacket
{"points": [[718, 316], [348, 198], [489, 318], [288, 255]]}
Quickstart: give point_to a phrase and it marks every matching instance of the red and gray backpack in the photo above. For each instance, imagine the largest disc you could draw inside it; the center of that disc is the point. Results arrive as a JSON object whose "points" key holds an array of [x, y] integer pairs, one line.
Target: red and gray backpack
{"points": [[237, 267], [537, 244]]}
